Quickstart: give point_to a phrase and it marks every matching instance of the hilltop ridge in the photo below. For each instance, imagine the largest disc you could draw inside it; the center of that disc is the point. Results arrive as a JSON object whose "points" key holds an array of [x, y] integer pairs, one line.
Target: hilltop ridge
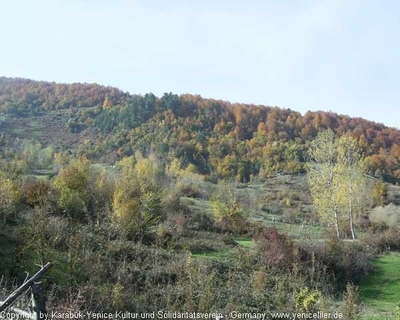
{"points": [[221, 139]]}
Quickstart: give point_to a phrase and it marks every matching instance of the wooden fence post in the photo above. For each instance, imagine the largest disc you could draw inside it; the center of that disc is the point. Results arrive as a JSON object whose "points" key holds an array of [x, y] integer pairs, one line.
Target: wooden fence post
{"points": [[38, 301], [38, 298]]}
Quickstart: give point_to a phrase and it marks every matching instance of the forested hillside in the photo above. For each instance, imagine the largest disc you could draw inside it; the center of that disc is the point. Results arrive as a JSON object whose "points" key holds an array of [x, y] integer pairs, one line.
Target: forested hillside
{"points": [[184, 204], [221, 139]]}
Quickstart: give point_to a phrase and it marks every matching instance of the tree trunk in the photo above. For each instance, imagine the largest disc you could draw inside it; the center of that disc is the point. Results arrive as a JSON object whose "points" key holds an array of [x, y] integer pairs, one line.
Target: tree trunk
{"points": [[336, 221], [353, 234]]}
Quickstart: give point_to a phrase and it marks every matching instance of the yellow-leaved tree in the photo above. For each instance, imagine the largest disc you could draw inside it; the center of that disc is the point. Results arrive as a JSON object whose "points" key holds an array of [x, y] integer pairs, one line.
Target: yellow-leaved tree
{"points": [[227, 211], [137, 196], [322, 178], [10, 195], [352, 187], [337, 182]]}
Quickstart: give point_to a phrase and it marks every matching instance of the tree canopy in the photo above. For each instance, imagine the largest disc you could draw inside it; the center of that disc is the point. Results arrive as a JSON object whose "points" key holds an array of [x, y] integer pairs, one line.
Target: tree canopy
{"points": [[221, 139]]}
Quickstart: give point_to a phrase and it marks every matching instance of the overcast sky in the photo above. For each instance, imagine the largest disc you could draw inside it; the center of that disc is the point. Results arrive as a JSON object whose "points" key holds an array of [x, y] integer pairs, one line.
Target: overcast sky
{"points": [[339, 55]]}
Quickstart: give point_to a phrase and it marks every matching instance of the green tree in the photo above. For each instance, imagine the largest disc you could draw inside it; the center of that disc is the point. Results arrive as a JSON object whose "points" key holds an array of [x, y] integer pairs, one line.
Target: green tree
{"points": [[101, 185], [72, 185]]}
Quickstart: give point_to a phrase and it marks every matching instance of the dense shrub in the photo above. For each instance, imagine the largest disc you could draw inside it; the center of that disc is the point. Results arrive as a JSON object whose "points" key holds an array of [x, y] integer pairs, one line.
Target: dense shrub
{"points": [[276, 249], [38, 192], [350, 305], [348, 261], [388, 215]]}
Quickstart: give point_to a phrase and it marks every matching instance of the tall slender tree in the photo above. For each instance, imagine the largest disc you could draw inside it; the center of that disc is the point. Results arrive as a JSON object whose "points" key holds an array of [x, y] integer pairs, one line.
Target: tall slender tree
{"points": [[351, 178], [336, 176], [322, 171]]}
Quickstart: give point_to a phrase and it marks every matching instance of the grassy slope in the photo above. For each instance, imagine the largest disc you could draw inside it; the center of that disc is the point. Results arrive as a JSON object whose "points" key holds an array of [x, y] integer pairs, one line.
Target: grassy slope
{"points": [[380, 292], [263, 204]]}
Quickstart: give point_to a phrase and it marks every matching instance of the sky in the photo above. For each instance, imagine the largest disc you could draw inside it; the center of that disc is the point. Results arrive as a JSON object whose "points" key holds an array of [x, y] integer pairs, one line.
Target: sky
{"points": [[337, 55]]}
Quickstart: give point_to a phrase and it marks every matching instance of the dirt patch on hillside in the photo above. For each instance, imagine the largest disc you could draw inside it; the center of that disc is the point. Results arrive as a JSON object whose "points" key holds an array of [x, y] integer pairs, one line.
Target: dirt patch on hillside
{"points": [[49, 129]]}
